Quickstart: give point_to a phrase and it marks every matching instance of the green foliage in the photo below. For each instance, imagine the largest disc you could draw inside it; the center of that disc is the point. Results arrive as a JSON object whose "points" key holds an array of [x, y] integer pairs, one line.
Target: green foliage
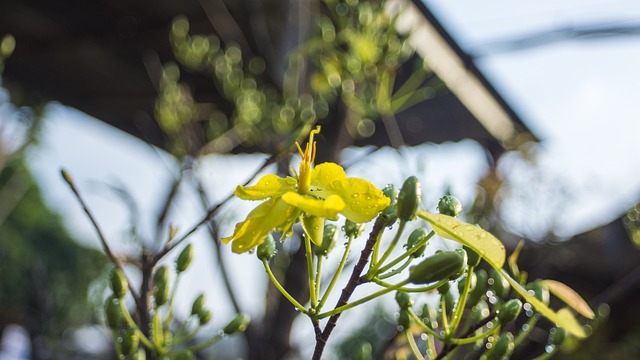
{"points": [[45, 274]]}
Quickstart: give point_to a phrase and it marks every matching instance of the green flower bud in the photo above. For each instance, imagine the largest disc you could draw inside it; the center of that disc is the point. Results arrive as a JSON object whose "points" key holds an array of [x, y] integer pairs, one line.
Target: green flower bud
{"points": [[462, 270], [198, 305], [557, 336], [138, 355], [439, 266], [238, 324], [430, 316], [313, 228], [113, 312], [129, 341], [540, 291], [404, 319], [161, 280], [391, 191], [403, 299], [183, 355], [352, 229], [480, 289], [409, 199], [204, 316], [448, 302], [267, 249], [184, 259], [444, 288], [416, 236], [479, 311], [473, 257], [498, 284], [449, 205], [118, 283], [501, 349], [329, 239], [509, 311], [463, 280]]}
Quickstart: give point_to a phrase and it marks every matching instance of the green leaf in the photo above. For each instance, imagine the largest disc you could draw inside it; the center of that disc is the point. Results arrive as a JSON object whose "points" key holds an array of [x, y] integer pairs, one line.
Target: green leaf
{"points": [[479, 240], [563, 318], [570, 297]]}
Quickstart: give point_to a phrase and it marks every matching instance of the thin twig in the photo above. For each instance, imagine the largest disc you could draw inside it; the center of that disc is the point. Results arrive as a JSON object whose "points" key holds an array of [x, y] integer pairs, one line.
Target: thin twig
{"points": [[354, 281], [105, 245], [173, 244]]}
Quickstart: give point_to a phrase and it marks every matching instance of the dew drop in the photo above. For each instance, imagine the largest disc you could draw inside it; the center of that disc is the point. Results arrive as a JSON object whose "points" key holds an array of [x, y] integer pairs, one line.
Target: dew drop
{"points": [[529, 313], [423, 336], [549, 348], [355, 195], [525, 327], [526, 307]]}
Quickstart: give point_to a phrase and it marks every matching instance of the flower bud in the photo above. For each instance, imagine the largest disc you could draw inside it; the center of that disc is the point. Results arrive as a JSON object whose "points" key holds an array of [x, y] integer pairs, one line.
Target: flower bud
{"points": [[118, 283], [557, 336], [501, 349], [404, 319], [449, 205], [139, 355], [472, 256], [448, 302], [183, 355], [462, 254], [161, 280], [480, 289], [238, 324], [509, 311], [439, 266], [541, 292], [204, 316], [313, 228], [391, 191], [113, 312], [463, 281], [198, 305], [444, 288], [409, 199], [430, 316], [479, 311], [416, 236], [329, 239], [352, 229], [403, 299], [498, 284], [267, 249], [184, 259], [129, 341]]}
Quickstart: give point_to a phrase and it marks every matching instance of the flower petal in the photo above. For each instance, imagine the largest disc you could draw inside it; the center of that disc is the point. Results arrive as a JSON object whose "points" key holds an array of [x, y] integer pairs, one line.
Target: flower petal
{"points": [[273, 214], [268, 186], [328, 208], [363, 201], [324, 174]]}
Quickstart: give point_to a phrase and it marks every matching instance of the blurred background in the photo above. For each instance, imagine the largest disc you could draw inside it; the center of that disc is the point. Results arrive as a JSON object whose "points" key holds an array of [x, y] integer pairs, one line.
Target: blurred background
{"points": [[526, 112]]}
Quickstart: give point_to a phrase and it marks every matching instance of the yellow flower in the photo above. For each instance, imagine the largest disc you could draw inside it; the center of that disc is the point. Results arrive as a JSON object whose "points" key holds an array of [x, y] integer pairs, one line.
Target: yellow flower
{"points": [[323, 191]]}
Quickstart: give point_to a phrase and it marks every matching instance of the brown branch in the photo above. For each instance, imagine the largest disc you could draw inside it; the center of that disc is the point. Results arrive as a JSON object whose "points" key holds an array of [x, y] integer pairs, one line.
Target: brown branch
{"points": [[354, 281]]}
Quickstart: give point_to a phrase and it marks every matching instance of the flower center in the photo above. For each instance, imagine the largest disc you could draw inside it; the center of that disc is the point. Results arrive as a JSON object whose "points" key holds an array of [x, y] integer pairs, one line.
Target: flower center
{"points": [[308, 157]]}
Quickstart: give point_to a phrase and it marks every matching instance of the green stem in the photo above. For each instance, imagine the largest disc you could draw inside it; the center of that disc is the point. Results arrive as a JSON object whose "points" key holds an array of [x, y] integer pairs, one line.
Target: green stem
{"points": [[362, 300], [167, 321], [376, 250], [200, 346], [187, 337], [407, 253], [445, 319], [462, 300], [424, 326], [418, 289], [531, 323], [475, 338], [336, 275], [395, 271], [310, 273], [413, 345], [547, 355], [375, 269], [318, 277], [133, 324], [284, 292]]}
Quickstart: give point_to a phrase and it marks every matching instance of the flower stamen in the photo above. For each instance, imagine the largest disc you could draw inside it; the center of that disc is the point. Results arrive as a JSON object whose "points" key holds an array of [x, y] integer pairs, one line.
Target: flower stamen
{"points": [[306, 164]]}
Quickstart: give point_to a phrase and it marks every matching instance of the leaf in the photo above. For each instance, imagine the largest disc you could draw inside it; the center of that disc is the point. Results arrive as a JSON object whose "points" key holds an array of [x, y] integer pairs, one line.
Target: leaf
{"points": [[570, 297], [563, 318], [479, 240]]}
